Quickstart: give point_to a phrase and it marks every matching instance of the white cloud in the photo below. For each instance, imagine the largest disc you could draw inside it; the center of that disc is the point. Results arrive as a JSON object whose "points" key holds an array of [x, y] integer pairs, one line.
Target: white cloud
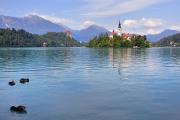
{"points": [[81, 25], [144, 25], [116, 7], [53, 19], [175, 27], [88, 23], [152, 31], [130, 23], [144, 22]]}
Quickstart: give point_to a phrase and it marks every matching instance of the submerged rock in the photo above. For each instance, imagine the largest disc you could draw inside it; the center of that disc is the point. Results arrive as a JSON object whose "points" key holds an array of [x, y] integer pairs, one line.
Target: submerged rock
{"points": [[18, 109], [12, 83], [24, 80]]}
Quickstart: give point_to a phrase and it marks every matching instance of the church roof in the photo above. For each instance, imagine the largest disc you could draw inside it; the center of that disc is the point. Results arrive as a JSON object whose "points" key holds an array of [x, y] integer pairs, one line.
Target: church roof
{"points": [[119, 24]]}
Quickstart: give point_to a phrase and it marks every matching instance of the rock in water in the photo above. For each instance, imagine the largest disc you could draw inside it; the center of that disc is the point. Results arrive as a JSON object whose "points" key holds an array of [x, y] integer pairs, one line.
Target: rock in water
{"points": [[12, 83], [18, 109]]}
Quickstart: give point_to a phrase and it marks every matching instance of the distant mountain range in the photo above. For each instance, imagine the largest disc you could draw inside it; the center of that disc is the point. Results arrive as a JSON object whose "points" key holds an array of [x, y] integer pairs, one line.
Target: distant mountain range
{"points": [[31, 23], [170, 41], [89, 32], [38, 25], [156, 37]]}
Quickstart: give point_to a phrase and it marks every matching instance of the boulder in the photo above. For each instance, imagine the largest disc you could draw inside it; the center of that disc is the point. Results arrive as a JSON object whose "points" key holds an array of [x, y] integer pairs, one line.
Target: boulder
{"points": [[18, 109]]}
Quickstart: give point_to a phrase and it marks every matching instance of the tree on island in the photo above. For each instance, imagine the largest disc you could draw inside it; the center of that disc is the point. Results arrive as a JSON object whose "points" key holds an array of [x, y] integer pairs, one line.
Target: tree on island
{"points": [[104, 40]]}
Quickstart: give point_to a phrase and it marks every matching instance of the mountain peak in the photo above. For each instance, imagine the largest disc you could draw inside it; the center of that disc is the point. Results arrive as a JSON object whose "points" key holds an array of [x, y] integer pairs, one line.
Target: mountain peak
{"points": [[31, 23], [170, 30], [165, 33], [94, 26], [33, 16], [89, 32]]}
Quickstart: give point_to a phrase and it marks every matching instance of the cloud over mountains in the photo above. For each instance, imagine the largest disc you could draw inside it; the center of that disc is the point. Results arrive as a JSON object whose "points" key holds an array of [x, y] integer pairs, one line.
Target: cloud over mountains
{"points": [[144, 25], [101, 8]]}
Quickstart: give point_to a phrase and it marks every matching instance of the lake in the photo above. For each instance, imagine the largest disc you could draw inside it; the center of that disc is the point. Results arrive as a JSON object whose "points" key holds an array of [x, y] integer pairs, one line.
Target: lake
{"points": [[91, 84]]}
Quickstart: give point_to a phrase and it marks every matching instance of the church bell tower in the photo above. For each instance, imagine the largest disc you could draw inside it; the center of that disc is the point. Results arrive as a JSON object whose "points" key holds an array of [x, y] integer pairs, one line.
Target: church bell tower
{"points": [[119, 29]]}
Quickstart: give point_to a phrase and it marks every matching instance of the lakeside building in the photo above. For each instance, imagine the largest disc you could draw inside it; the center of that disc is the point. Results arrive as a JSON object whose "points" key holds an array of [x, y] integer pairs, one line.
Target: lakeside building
{"points": [[68, 33], [44, 44]]}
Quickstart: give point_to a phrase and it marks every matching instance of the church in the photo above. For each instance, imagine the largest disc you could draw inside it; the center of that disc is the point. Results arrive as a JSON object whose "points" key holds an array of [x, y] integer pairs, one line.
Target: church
{"points": [[119, 32]]}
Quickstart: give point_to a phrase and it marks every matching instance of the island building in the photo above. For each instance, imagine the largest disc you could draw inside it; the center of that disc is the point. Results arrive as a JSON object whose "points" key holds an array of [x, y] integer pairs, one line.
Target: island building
{"points": [[119, 32]]}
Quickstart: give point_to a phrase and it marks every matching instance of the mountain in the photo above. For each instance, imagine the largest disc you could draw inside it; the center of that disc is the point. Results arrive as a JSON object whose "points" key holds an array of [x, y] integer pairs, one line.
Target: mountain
{"points": [[30, 23], [38, 25], [156, 37], [89, 32], [170, 41]]}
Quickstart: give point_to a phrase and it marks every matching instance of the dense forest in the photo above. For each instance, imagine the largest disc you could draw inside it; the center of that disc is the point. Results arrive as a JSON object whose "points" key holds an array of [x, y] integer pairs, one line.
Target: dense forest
{"points": [[118, 41], [21, 38], [171, 41]]}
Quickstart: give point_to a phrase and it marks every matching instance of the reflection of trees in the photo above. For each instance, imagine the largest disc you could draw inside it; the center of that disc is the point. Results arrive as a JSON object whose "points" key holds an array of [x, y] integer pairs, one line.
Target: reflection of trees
{"points": [[120, 58], [9, 57], [124, 58], [98, 57], [65, 57], [41, 58], [128, 60], [55, 58]]}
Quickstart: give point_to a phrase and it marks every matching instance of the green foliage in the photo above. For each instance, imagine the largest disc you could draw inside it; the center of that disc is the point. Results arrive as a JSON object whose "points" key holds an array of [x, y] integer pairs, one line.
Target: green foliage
{"points": [[21, 38], [140, 41], [117, 41], [101, 41]]}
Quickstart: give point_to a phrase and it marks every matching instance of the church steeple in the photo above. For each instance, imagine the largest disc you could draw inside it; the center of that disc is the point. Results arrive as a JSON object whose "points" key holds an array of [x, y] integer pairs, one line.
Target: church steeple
{"points": [[119, 29], [119, 24]]}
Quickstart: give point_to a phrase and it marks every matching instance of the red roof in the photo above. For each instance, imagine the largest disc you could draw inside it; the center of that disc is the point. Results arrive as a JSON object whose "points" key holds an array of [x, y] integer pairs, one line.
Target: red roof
{"points": [[113, 32], [125, 35]]}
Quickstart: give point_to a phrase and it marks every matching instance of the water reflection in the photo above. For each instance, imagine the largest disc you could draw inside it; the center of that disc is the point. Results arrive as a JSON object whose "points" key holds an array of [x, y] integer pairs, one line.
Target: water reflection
{"points": [[85, 83]]}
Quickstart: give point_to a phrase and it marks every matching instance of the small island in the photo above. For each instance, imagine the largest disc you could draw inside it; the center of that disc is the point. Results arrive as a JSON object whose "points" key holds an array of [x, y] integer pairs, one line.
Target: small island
{"points": [[118, 39]]}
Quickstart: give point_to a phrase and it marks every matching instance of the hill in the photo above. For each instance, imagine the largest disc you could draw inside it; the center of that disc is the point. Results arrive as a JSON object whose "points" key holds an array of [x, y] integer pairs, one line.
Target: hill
{"points": [[156, 37], [21, 38], [171, 41]]}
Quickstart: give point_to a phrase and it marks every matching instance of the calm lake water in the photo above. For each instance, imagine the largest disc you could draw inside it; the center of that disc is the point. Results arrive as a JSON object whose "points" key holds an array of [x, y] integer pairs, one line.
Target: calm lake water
{"points": [[91, 84]]}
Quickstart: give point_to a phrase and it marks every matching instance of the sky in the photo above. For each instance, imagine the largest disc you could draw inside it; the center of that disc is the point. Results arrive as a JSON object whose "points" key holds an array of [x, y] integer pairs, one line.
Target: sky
{"points": [[136, 16]]}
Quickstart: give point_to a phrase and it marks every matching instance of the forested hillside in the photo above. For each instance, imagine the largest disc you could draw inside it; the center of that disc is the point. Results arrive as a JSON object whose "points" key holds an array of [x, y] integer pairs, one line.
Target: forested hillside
{"points": [[21, 38], [171, 41]]}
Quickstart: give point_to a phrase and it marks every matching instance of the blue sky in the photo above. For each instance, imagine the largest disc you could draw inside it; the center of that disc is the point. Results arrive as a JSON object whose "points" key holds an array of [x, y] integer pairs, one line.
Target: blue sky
{"points": [[139, 16]]}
